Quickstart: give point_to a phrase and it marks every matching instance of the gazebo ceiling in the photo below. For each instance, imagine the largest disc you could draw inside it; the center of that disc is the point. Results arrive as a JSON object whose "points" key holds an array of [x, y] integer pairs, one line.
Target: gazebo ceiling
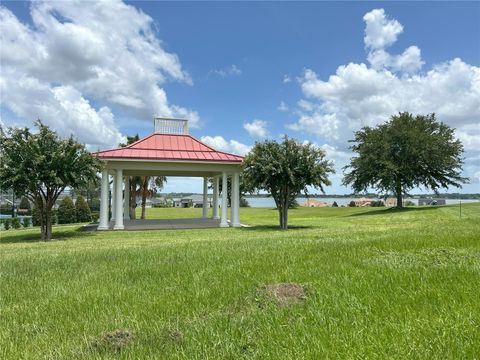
{"points": [[174, 147]]}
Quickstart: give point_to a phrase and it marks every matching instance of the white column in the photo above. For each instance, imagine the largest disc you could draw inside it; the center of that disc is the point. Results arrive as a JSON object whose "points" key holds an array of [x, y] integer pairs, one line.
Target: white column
{"points": [[118, 200], [223, 221], [215, 198], [114, 196], [103, 224], [126, 200], [205, 198], [235, 200]]}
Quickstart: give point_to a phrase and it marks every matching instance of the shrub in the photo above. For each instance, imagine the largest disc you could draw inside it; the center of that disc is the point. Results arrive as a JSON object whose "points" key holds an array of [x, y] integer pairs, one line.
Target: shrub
{"points": [[26, 222], [82, 210], [36, 220], [352, 204], [244, 202], [66, 211], [377, 203], [16, 223], [94, 205], [7, 224], [334, 204], [24, 207], [410, 203], [95, 216]]}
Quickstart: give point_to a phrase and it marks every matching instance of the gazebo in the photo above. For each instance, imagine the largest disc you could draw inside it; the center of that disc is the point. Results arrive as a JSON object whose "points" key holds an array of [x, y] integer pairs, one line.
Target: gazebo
{"points": [[169, 151]]}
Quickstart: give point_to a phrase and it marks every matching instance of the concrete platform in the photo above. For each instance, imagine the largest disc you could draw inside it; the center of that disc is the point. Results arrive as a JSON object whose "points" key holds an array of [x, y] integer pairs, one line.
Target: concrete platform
{"points": [[161, 224]]}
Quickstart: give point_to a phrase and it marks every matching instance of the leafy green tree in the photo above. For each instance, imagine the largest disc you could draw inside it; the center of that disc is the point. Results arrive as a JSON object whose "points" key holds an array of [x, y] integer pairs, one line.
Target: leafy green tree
{"points": [[284, 170], [66, 211], [82, 210], [406, 152], [41, 165]]}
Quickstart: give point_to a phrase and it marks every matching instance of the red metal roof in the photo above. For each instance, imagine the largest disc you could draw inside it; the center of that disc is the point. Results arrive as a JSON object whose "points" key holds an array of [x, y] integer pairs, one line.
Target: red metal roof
{"points": [[168, 147]]}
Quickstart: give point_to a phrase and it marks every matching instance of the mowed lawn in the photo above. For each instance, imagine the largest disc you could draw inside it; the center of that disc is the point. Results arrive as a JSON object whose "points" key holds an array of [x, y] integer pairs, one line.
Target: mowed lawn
{"points": [[380, 284]]}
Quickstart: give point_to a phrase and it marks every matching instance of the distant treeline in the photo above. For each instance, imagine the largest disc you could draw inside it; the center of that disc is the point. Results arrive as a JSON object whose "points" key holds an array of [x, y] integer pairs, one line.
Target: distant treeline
{"points": [[371, 195], [368, 195]]}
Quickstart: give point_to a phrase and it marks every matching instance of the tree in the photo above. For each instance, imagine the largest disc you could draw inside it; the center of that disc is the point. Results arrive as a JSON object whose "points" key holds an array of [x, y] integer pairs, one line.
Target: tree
{"points": [[40, 166], [150, 186], [66, 211], [406, 152], [82, 210], [243, 201], [284, 170], [142, 186], [334, 204]]}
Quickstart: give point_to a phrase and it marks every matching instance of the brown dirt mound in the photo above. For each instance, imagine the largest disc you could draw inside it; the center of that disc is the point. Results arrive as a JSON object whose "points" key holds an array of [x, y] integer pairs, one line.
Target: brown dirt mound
{"points": [[114, 340], [286, 293]]}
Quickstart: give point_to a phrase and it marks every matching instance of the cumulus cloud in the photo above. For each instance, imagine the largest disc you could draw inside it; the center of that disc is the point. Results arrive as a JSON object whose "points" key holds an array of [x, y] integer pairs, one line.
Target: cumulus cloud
{"points": [[286, 79], [380, 33], [231, 146], [232, 70], [106, 51], [359, 95], [257, 128]]}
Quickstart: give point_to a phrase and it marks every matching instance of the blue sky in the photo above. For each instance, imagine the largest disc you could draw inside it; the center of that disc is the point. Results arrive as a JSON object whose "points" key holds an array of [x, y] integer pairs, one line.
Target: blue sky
{"points": [[273, 65]]}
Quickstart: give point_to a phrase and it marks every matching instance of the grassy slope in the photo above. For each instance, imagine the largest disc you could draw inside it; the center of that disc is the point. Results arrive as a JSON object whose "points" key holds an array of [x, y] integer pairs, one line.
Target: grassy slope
{"points": [[381, 284]]}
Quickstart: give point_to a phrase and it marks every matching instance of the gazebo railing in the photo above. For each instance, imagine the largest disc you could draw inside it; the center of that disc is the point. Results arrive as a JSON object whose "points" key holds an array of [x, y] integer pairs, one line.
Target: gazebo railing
{"points": [[170, 126]]}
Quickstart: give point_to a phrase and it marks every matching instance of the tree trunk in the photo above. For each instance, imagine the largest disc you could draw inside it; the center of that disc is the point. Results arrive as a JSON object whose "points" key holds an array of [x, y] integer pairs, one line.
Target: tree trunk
{"points": [[133, 198], [398, 190], [48, 227], [144, 195], [285, 214]]}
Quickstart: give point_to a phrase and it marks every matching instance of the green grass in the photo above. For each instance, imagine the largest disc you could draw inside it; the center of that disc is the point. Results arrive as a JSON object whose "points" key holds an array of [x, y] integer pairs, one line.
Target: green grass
{"points": [[380, 284]]}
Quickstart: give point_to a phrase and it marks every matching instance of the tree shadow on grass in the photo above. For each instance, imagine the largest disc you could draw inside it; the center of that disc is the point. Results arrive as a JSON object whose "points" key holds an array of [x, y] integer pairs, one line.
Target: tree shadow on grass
{"points": [[277, 228], [12, 237], [393, 210]]}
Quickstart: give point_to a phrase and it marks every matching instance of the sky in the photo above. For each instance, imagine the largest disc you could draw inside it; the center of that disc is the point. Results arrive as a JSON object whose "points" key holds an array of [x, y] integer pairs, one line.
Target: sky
{"points": [[241, 72]]}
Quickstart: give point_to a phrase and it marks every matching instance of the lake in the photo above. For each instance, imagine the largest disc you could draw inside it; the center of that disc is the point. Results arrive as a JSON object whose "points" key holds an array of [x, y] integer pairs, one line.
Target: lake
{"points": [[268, 202]]}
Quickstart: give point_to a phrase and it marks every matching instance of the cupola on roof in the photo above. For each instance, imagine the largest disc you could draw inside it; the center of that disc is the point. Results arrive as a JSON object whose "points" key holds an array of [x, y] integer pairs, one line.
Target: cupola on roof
{"points": [[170, 141]]}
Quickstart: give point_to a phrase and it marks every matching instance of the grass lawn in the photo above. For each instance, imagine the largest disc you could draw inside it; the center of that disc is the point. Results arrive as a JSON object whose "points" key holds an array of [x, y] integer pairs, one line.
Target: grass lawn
{"points": [[379, 284]]}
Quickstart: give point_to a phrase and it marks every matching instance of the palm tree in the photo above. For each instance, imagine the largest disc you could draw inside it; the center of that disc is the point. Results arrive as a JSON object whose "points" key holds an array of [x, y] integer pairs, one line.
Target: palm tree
{"points": [[150, 186], [146, 186]]}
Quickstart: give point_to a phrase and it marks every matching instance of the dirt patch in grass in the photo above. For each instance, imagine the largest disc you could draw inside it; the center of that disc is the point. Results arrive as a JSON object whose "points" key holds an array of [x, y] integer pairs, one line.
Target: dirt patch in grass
{"points": [[114, 340], [284, 294], [173, 336]]}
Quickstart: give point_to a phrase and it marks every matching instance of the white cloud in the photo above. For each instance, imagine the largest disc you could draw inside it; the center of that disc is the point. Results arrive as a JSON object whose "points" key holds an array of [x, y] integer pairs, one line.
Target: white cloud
{"points": [[410, 61], [107, 52], [232, 70], [380, 32], [282, 107], [256, 128], [286, 79], [359, 95], [232, 146]]}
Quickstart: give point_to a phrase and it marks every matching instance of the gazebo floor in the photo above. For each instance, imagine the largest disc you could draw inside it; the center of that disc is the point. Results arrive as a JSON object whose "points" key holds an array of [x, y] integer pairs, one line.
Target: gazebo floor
{"points": [[159, 224]]}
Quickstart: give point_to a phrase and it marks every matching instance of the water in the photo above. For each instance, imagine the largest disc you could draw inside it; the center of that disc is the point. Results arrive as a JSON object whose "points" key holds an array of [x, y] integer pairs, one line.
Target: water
{"points": [[268, 202]]}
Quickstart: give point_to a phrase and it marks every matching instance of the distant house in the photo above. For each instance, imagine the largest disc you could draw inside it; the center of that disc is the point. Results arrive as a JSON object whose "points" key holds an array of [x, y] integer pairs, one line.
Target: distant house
{"points": [[390, 202], [195, 200], [431, 202], [363, 201], [314, 203]]}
